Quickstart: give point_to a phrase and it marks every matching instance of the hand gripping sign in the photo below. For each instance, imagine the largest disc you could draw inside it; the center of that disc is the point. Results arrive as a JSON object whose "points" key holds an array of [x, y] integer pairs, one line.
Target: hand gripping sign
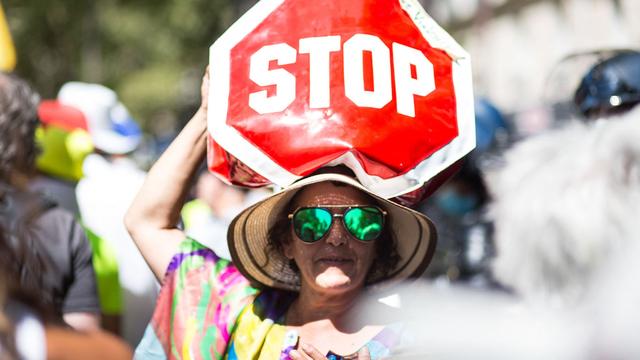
{"points": [[375, 85]]}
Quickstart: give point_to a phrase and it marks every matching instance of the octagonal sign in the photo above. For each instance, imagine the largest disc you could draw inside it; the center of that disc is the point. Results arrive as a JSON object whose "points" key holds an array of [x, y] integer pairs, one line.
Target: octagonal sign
{"points": [[374, 85]]}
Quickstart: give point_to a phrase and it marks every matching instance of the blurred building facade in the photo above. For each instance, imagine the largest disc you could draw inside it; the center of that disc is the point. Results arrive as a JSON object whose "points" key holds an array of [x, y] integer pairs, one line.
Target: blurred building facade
{"points": [[515, 45]]}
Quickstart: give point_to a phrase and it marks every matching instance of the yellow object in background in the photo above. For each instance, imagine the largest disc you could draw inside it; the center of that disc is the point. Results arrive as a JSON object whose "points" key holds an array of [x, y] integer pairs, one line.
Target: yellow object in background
{"points": [[7, 51], [195, 212], [107, 274], [63, 151]]}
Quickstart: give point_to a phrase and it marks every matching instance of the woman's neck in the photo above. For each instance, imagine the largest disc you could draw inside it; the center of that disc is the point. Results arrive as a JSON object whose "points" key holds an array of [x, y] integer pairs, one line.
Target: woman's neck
{"points": [[313, 306]]}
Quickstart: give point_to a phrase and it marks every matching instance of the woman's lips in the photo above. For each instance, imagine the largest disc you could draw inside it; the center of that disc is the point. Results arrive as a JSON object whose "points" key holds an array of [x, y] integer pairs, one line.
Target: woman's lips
{"points": [[335, 260]]}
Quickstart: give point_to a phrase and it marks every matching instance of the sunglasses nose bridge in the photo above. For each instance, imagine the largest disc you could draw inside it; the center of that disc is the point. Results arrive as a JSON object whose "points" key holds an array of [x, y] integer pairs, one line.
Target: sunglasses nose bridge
{"points": [[337, 234]]}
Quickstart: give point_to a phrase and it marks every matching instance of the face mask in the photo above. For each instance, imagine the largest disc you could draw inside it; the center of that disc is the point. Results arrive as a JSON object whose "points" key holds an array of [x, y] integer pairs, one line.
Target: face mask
{"points": [[454, 204]]}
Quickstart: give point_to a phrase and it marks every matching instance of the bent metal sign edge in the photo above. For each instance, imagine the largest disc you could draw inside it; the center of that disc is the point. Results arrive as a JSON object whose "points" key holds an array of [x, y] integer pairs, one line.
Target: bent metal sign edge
{"points": [[275, 97]]}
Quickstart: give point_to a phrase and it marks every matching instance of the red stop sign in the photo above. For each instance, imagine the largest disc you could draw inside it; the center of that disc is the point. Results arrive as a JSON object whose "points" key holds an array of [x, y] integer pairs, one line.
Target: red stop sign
{"points": [[375, 85]]}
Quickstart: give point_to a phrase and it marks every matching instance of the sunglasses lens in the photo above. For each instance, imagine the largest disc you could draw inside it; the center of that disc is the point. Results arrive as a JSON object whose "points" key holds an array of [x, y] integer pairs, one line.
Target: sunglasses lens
{"points": [[311, 224], [365, 223]]}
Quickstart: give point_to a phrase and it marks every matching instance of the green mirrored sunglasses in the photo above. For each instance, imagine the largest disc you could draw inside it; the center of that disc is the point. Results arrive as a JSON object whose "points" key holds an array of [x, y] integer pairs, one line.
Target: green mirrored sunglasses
{"points": [[311, 224]]}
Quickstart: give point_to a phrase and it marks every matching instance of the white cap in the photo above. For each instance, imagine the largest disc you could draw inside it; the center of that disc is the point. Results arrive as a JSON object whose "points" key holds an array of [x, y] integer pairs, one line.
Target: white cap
{"points": [[112, 128]]}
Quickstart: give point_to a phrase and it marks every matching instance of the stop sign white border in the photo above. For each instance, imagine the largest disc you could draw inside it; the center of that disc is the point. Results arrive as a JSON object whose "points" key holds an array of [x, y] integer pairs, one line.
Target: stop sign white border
{"points": [[234, 143]]}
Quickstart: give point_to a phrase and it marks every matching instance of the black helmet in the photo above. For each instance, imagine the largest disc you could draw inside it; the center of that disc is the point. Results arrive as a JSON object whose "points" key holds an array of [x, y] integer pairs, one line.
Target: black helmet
{"points": [[611, 86]]}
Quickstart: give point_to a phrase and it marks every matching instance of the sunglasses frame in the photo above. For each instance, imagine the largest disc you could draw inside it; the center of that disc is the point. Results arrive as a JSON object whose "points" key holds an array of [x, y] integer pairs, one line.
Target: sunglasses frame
{"points": [[337, 215]]}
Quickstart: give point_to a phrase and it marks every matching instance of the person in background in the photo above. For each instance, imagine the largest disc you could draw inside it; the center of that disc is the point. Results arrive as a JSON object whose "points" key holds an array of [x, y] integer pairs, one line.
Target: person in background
{"points": [[210, 213], [69, 285], [459, 206], [29, 327], [567, 200], [564, 202], [611, 86], [565, 207], [109, 183], [65, 142]]}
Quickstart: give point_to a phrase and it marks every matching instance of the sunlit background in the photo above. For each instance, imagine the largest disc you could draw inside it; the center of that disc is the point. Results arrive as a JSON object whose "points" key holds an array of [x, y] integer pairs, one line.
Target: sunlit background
{"points": [[528, 57], [152, 52]]}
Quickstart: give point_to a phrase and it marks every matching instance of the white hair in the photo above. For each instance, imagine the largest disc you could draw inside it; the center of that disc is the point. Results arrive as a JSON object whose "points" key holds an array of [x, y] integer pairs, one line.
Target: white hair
{"points": [[564, 201]]}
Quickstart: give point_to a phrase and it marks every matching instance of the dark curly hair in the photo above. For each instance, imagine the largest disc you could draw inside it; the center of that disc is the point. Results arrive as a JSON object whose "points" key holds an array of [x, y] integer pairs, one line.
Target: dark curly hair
{"points": [[386, 245], [21, 266], [18, 123]]}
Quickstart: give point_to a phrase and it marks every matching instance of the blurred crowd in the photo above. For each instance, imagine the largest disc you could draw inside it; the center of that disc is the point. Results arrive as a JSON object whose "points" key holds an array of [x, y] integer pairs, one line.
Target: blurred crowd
{"points": [[529, 228], [67, 180]]}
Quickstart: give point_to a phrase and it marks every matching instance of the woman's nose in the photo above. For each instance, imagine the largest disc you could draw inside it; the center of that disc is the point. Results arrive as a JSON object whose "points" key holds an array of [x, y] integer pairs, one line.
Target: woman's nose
{"points": [[337, 234]]}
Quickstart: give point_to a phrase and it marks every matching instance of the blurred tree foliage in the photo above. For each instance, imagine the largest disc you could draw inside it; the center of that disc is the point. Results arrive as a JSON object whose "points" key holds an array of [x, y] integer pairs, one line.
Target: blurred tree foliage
{"points": [[151, 52]]}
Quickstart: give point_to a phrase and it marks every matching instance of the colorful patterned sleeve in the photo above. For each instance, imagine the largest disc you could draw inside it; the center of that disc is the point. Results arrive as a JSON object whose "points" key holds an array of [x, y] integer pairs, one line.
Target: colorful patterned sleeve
{"points": [[201, 298]]}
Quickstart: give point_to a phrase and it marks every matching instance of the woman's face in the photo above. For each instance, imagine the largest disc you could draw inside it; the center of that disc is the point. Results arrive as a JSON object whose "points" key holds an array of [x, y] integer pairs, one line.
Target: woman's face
{"points": [[337, 262]]}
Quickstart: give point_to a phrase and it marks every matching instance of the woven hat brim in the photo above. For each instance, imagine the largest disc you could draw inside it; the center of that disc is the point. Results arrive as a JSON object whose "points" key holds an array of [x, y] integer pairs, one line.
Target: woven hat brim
{"points": [[248, 238]]}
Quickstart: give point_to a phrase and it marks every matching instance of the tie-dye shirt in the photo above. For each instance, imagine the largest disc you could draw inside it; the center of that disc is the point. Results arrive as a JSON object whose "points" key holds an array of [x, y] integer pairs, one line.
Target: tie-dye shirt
{"points": [[206, 309]]}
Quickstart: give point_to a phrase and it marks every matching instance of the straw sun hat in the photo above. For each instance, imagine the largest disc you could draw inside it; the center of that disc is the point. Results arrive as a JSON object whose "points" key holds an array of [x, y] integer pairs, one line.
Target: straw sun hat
{"points": [[248, 238]]}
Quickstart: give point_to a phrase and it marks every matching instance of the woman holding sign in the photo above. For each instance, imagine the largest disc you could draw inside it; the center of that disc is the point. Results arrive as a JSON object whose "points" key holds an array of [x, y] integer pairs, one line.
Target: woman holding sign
{"points": [[373, 84], [302, 261]]}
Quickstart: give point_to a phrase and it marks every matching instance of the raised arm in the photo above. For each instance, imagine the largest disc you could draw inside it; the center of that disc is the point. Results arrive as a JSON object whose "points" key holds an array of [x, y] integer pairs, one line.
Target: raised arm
{"points": [[151, 220]]}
